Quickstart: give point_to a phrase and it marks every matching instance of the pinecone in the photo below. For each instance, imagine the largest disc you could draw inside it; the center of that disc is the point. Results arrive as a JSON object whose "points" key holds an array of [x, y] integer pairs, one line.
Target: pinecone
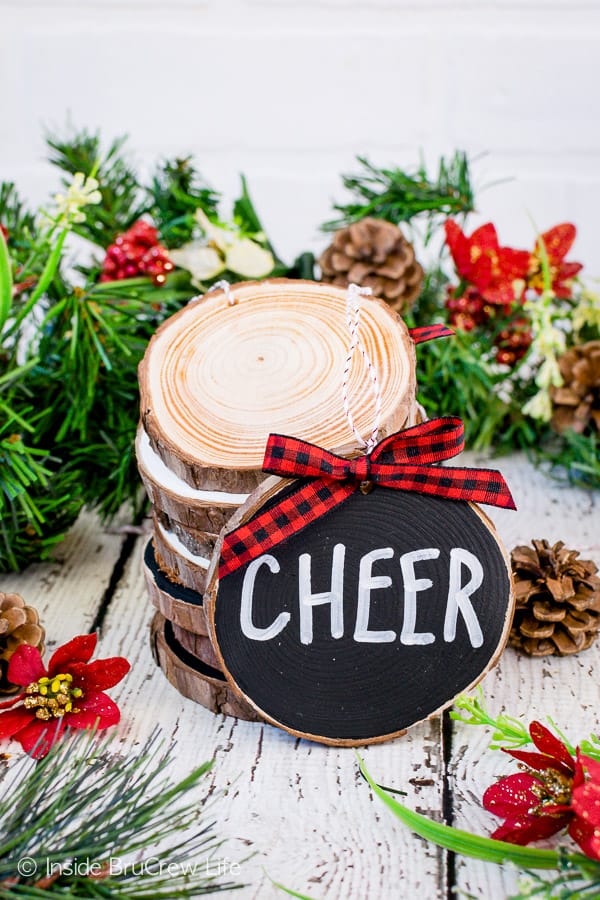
{"points": [[375, 254], [558, 600], [577, 403], [19, 624]]}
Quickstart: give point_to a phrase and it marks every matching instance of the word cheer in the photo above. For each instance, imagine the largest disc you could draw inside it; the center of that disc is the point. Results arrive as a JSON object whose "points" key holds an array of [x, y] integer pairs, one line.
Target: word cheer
{"points": [[457, 600]]}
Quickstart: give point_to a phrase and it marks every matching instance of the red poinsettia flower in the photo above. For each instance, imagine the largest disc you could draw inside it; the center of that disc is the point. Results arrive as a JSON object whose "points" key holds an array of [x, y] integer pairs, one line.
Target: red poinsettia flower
{"points": [[585, 828], [482, 262], [557, 241], [541, 800], [69, 693]]}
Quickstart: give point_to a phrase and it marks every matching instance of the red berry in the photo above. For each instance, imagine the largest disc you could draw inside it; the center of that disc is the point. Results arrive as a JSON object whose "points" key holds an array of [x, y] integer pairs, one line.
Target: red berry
{"points": [[136, 252]]}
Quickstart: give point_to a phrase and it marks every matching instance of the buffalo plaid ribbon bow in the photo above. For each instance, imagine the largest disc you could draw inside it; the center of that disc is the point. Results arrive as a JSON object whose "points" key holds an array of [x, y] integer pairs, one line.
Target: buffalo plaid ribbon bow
{"points": [[404, 461]]}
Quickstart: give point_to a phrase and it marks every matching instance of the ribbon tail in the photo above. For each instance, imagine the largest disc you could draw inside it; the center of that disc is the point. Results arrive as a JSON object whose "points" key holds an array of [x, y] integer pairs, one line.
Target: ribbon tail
{"points": [[453, 483], [284, 520], [429, 333]]}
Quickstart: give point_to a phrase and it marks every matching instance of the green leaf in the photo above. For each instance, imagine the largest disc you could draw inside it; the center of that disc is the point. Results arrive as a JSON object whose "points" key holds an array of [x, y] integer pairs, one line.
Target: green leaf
{"points": [[466, 843], [5, 281]]}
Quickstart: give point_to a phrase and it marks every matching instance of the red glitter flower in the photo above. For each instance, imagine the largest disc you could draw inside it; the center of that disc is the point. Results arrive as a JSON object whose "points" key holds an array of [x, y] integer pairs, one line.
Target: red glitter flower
{"points": [[557, 241], [137, 252], [482, 262], [70, 692], [551, 793]]}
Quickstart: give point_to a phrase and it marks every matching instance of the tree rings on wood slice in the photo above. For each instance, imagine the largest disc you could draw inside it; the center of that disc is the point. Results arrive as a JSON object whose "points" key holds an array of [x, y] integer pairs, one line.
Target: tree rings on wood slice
{"points": [[192, 508], [181, 605], [192, 677], [372, 618], [217, 379], [176, 561]]}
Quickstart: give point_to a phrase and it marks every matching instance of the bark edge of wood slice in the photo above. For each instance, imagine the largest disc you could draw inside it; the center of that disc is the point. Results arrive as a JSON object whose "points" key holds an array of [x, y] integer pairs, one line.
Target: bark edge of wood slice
{"points": [[192, 678], [177, 562], [192, 508], [180, 605]]}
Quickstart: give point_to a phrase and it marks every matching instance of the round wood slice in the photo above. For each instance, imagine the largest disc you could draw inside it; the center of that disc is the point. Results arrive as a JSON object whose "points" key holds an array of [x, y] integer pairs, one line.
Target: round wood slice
{"points": [[192, 508], [182, 606], [193, 678], [198, 645], [177, 562], [345, 679], [217, 379], [199, 543]]}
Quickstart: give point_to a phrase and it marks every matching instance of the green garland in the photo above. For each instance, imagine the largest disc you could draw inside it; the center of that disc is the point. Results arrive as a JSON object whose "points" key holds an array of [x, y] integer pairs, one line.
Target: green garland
{"points": [[71, 344]]}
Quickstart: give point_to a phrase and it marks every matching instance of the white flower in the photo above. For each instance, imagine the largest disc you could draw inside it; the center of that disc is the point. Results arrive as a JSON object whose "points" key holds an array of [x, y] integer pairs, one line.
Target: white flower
{"points": [[226, 249], [587, 311], [216, 234], [202, 262], [81, 192], [246, 257], [549, 373], [539, 407]]}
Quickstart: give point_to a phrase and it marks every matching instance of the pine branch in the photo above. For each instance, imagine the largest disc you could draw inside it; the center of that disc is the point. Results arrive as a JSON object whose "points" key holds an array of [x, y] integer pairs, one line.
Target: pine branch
{"points": [[85, 804], [398, 195], [16, 218], [123, 201], [176, 192]]}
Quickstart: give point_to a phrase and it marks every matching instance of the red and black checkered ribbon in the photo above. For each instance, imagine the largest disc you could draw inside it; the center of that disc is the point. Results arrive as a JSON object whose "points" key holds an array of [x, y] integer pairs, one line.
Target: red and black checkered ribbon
{"points": [[429, 333], [404, 461]]}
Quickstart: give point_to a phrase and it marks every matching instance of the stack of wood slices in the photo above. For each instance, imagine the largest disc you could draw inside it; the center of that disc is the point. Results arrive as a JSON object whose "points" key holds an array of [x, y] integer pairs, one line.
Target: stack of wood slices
{"points": [[217, 378]]}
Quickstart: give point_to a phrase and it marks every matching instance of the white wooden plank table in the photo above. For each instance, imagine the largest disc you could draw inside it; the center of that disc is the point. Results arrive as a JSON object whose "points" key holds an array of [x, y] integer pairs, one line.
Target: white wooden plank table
{"points": [[302, 808]]}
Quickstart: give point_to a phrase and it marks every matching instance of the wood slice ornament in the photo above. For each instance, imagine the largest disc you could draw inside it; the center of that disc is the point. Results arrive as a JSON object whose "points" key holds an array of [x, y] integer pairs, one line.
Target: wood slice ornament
{"points": [[349, 625], [181, 605], [192, 508], [235, 365], [192, 677], [176, 561]]}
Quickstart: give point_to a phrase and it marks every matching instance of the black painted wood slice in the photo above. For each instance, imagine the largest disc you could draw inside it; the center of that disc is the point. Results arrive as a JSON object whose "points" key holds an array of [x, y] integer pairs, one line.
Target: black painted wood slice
{"points": [[370, 620], [192, 677], [180, 604]]}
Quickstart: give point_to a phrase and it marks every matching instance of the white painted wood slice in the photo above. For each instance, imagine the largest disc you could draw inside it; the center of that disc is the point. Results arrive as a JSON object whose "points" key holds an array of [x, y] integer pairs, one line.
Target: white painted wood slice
{"points": [[217, 379], [191, 507], [193, 678], [199, 543], [176, 561]]}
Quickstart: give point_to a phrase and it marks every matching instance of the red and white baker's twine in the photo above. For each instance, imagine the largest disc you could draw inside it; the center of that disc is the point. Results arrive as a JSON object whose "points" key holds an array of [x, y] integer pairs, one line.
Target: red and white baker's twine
{"points": [[223, 285], [353, 297]]}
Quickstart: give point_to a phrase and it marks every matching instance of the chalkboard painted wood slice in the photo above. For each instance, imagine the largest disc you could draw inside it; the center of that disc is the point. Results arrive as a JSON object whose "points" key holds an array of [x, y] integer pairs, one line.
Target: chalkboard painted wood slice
{"points": [[217, 378], [192, 508], [198, 645], [192, 677], [368, 621], [182, 606], [179, 563]]}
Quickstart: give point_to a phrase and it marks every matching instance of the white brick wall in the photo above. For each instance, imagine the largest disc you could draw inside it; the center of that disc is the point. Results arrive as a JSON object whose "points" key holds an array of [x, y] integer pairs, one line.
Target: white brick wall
{"points": [[290, 91]]}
